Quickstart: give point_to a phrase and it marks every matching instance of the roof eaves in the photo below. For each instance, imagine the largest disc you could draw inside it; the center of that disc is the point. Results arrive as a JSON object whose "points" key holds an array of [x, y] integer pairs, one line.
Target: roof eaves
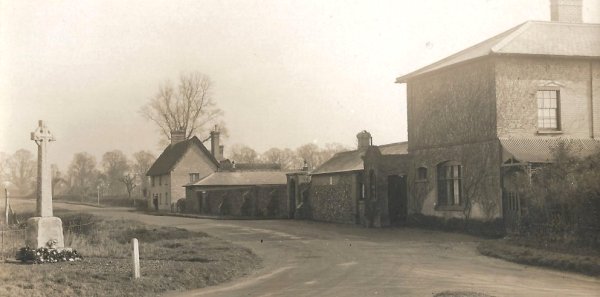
{"points": [[335, 172], [508, 39], [420, 71]]}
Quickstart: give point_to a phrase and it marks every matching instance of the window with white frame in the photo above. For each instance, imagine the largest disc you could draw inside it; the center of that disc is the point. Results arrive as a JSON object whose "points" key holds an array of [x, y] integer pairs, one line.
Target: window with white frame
{"points": [[548, 103]]}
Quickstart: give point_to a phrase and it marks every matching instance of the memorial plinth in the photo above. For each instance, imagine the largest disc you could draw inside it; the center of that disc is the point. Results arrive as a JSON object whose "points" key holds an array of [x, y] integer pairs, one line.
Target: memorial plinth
{"points": [[44, 230]]}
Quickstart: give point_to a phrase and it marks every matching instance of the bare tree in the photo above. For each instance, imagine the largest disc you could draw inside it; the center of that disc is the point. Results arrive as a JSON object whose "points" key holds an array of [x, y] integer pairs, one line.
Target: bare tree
{"points": [[243, 154], [4, 167], [82, 173], [115, 166], [190, 107], [141, 164], [129, 180], [57, 177], [286, 158], [332, 149], [22, 171], [315, 156], [310, 153]]}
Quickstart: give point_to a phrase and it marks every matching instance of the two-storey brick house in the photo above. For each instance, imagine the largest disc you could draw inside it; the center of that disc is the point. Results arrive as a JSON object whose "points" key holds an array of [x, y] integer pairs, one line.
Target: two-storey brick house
{"points": [[503, 102], [182, 162]]}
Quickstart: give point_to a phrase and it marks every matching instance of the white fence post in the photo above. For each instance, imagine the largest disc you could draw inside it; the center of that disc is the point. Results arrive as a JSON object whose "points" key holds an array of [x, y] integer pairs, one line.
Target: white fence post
{"points": [[136, 258]]}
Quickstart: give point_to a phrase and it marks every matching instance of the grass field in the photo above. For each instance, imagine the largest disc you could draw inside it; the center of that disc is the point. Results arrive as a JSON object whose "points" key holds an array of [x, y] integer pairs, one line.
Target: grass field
{"points": [[171, 259]]}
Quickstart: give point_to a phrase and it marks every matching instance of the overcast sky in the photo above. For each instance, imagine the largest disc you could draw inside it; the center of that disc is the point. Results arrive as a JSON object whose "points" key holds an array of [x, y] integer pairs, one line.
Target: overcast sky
{"points": [[285, 72]]}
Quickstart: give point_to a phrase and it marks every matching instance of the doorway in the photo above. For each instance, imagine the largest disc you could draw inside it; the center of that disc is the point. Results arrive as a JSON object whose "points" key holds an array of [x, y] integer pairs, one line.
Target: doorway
{"points": [[397, 199], [292, 200]]}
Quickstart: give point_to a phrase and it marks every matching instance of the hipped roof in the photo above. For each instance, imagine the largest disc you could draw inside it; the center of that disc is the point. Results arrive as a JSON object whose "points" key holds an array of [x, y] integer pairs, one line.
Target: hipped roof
{"points": [[529, 38], [172, 153]]}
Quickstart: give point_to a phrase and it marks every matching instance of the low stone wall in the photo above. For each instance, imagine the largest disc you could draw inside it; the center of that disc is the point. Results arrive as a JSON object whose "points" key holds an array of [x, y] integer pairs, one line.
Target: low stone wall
{"points": [[254, 201]]}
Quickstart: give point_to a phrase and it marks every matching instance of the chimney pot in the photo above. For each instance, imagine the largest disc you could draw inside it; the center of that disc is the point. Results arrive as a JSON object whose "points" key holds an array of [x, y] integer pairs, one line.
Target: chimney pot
{"points": [[566, 11], [364, 140], [177, 136], [215, 148]]}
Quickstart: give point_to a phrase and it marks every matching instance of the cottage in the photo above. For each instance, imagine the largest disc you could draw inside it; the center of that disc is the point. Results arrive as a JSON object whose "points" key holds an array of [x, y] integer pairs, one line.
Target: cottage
{"points": [[182, 162], [502, 103], [363, 186]]}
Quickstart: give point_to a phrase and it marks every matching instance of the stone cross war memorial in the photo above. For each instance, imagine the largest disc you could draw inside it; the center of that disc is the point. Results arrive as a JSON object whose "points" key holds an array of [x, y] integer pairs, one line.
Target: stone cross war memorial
{"points": [[44, 230]]}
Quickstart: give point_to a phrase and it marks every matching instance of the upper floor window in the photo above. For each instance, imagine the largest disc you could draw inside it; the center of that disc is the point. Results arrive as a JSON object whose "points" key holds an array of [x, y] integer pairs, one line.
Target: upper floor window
{"points": [[194, 177], [548, 109], [449, 183], [160, 180], [422, 174]]}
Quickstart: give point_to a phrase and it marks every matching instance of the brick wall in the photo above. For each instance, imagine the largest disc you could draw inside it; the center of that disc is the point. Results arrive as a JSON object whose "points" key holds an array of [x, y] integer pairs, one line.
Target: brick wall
{"points": [[477, 160], [452, 106], [333, 198], [382, 166], [518, 79]]}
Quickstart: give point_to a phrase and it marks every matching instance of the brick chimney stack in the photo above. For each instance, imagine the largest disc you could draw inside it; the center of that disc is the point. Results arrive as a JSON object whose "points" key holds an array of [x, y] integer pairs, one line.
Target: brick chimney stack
{"points": [[566, 11], [177, 136], [215, 148], [364, 140]]}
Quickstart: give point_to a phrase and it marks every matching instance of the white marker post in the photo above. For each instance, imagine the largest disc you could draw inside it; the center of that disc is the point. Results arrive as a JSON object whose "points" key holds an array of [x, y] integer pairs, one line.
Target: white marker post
{"points": [[136, 258]]}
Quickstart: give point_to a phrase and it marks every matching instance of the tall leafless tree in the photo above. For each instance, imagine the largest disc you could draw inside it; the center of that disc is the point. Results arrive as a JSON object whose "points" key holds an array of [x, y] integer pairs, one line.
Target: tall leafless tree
{"points": [[82, 173], [243, 154], [115, 166], [189, 107], [22, 171], [286, 158], [142, 161], [129, 180]]}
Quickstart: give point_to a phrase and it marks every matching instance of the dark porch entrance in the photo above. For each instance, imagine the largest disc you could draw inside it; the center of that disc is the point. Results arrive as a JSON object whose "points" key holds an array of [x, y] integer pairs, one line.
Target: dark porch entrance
{"points": [[397, 199]]}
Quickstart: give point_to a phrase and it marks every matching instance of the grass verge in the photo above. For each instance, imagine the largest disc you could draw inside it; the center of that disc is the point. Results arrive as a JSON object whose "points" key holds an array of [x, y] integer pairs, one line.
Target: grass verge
{"points": [[171, 259], [519, 252]]}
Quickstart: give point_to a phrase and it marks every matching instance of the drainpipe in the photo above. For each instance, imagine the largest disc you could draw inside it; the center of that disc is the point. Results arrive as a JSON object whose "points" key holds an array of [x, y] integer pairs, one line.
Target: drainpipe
{"points": [[591, 100]]}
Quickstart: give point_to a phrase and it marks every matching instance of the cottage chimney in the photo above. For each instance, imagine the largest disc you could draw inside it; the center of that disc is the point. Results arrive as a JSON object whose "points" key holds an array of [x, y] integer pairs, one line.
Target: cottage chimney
{"points": [[364, 140], [177, 136], [566, 11], [215, 147]]}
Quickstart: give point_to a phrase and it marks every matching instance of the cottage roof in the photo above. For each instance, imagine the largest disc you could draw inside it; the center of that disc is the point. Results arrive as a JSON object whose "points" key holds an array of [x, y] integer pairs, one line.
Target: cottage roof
{"points": [[257, 166], [172, 153], [342, 162], [242, 178], [398, 148], [352, 160], [539, 150], [529, 38]]}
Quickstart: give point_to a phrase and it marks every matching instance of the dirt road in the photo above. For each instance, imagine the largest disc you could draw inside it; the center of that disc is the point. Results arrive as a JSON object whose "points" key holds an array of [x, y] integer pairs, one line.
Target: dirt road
{"points": [[304, 258]]}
